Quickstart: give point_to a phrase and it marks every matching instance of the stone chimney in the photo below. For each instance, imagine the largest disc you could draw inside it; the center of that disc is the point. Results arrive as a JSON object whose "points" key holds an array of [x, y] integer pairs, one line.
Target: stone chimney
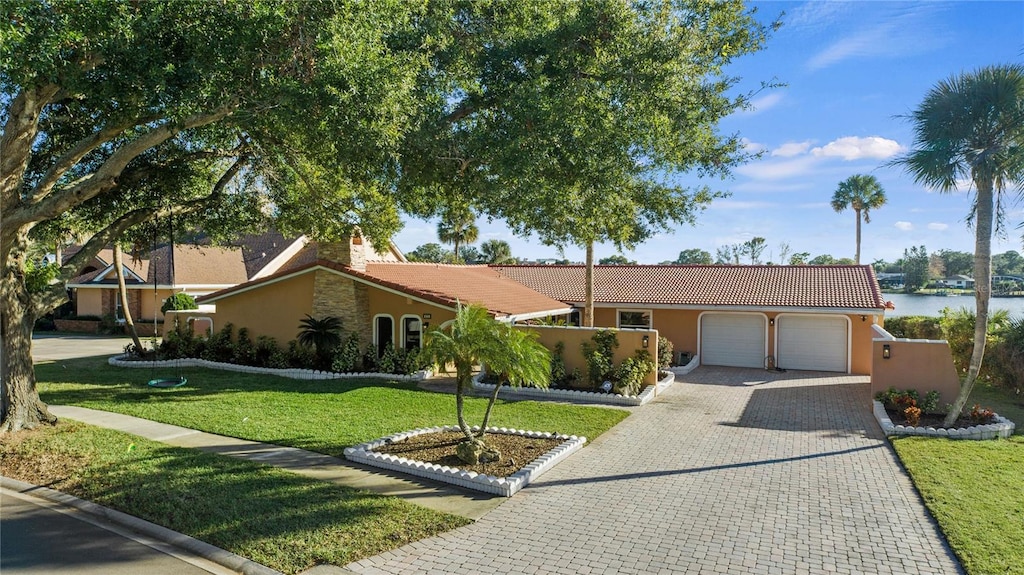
{"points": [[350, 252]]}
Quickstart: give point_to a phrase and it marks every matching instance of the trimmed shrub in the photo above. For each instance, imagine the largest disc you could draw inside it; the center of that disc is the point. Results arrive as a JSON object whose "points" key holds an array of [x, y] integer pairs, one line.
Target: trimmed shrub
{"points": [[914, 327], [179, 301], [665, 350]]}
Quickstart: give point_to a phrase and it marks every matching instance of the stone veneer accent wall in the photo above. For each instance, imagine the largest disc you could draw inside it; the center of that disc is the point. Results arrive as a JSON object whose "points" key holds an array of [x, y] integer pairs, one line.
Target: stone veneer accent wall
{"points": [[351, 253], [346, 299]]}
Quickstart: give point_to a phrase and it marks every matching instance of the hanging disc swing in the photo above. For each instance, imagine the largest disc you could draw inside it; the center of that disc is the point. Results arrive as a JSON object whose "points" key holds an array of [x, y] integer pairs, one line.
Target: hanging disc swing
{"points": [[179, 380]]}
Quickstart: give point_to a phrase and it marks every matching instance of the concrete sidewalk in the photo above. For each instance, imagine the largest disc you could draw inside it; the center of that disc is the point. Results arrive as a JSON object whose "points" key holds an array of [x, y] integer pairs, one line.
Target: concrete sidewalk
{"points": [[429, 494]]}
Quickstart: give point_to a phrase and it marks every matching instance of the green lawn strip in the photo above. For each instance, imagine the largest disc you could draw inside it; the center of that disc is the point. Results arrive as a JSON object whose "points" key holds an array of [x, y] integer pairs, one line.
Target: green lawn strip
{"points": [[279, 519], [323, 415], [974, 490]]}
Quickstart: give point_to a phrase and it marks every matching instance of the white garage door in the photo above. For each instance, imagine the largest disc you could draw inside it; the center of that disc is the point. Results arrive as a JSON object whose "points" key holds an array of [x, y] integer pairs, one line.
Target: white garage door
{"points": [[732, 339], [814, 343]]}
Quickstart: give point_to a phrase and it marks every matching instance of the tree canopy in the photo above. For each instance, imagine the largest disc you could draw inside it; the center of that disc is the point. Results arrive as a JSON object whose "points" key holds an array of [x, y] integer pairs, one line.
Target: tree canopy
{"points": [[861, 193]]}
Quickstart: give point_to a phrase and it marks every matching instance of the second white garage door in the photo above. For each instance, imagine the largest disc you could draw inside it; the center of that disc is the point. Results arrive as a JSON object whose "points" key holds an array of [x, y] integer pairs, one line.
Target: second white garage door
{"points": [[813, 343], [732, 339]]}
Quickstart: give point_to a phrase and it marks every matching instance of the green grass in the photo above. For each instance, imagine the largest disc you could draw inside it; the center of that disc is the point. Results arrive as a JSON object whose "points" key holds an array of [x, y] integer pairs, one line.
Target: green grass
{"points": [[974, 490], [1002, 401], [324, 416], [279, 519]]}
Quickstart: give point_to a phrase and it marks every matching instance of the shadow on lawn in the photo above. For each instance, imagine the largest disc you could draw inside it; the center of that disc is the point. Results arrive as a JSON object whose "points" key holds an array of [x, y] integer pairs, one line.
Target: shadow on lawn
{"points": [[252, 510]]}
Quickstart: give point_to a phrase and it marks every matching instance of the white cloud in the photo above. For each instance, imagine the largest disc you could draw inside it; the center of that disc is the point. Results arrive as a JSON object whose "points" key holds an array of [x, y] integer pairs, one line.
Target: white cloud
{"points": [[790, 149], [854, 148], [888, 30], [905, 226], [778, 170], [739, 205], [817, 14], [764, 103], [938, 226], [751, 146]]}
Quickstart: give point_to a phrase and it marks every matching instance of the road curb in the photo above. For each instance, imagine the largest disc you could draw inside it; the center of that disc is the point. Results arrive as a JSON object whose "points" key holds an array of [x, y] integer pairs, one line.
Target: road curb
{"points": [[205, 550]]}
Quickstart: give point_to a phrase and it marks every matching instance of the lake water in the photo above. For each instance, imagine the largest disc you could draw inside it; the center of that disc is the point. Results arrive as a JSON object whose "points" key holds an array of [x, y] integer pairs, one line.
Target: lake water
{"points": [[930, 305]]}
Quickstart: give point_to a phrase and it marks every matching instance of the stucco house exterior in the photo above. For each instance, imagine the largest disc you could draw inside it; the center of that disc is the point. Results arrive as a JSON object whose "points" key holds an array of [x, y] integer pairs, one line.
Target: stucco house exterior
{"points": [[790, 317]]}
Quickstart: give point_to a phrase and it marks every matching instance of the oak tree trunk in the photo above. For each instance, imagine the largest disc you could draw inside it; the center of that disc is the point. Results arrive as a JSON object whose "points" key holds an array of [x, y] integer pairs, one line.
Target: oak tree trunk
{"points": [[20, 406]]}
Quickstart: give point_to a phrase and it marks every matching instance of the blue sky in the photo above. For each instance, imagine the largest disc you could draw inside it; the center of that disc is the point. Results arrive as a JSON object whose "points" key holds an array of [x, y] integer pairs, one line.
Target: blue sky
{"points": [[850, 69]]}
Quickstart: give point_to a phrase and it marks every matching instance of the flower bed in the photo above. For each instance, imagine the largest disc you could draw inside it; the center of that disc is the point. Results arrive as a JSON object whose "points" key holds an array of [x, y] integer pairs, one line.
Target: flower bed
{"points": [[503, 486], [1001, 428], [293, 373], [577, 395]]}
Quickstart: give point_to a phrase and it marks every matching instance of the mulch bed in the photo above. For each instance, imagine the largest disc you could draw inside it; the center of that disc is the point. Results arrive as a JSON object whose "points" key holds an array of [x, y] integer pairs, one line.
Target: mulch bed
{"points": [[517, 451], [935, 421]]}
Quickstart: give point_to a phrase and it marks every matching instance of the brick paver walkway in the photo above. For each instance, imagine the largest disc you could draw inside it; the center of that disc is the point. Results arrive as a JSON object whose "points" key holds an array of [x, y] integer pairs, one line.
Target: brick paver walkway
{"points": [[731, 471]]}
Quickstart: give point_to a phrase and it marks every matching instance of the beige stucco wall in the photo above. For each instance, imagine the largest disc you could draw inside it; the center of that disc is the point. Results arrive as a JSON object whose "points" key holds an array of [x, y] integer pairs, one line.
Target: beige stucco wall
{"points": [[273, 310], [383, 302], [924, 365], [630, 340], [90, 302], [680, 327]]}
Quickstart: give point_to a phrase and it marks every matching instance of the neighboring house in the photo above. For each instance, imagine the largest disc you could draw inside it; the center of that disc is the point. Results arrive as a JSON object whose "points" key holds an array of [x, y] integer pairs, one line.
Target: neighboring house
{"points": [[958, 282], [380, 298], [792, 317], [197, 270]]}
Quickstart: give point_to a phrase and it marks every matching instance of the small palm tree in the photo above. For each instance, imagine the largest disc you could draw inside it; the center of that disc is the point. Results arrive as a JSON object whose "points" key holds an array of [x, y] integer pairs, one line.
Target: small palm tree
{"points": [[474, 338], [972, 126], [863, 194], [497, 252], [457, 226], [323, 335]]}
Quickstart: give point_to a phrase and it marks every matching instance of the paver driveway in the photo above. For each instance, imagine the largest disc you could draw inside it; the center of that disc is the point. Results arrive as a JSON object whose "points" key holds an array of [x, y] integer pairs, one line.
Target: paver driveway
{"points": [[730, 471]]}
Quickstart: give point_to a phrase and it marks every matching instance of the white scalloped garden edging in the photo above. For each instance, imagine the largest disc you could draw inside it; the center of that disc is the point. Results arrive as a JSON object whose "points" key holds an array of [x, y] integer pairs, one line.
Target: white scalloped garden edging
{"points": [[1001, 428], [503, 486], [293, 373], [576, 395]]}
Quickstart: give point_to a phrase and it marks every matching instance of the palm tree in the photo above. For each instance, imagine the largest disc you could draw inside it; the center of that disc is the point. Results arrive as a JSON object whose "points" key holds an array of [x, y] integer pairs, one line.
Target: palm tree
{"points": [[457, 226], [497, 252], [863, 194], [321, 334], [972, 126], [474, 338]]}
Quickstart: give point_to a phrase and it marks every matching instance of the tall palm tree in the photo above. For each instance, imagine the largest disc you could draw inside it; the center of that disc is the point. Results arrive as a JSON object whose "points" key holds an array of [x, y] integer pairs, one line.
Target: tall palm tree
{"points": [[863, 194], [457, 226], [474, 338], [972, 126]]}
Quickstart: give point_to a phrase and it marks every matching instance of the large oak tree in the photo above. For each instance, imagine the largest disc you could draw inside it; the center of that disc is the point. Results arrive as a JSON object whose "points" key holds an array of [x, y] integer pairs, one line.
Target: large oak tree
{"points": [[115, 113], [571, 120]]}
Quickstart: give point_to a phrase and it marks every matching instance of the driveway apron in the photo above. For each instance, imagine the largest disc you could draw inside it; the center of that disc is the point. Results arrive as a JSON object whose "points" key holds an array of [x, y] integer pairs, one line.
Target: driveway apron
{"points": [[729, 471]]}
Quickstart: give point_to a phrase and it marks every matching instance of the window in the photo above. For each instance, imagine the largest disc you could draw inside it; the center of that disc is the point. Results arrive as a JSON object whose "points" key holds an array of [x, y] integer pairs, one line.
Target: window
{"points": [[383, 332], [634, 319], [411, 329]]}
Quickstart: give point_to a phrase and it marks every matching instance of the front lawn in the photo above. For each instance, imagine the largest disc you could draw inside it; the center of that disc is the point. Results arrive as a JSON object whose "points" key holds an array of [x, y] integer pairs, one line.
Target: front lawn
{"points": [[280, 519], [975, 489], [321, 415]]}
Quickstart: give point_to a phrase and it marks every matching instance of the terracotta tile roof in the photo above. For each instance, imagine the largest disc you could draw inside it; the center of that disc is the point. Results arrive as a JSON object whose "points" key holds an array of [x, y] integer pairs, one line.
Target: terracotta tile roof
{"points": [[439, 283], [756, 286], [448, 284]]}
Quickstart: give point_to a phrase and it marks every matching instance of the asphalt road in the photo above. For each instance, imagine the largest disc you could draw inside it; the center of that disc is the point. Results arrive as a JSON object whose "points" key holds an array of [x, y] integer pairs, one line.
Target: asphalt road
{"points": [[41, 537]]}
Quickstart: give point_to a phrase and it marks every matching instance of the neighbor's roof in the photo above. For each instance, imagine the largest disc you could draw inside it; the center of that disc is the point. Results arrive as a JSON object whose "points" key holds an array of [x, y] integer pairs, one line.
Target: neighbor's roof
{"points": [[697, 285], [193, 265], [442, 284]]}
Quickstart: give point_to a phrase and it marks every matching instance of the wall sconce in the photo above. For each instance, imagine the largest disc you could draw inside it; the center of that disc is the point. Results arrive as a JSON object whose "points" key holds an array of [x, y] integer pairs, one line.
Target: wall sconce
{"points": [[426, 316], [426, 324], [647, 340], [771, 321], [863, 318], [886, 352]]}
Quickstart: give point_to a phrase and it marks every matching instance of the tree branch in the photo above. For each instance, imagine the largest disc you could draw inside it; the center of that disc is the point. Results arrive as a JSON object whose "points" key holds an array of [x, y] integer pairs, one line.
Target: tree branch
{"points": [[71, 157], [105, 177], [16, 141]]}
